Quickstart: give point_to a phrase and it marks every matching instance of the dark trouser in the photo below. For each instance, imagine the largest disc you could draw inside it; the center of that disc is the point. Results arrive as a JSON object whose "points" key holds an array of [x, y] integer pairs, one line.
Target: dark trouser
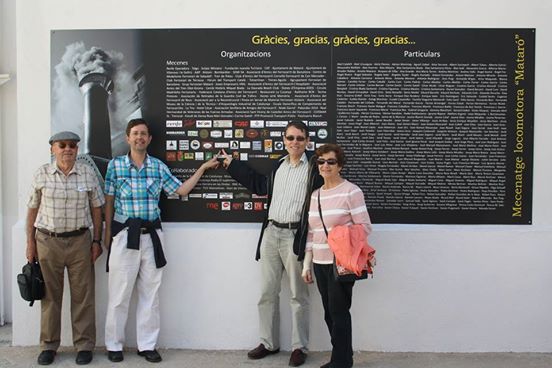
{"points": [[336, 299]]}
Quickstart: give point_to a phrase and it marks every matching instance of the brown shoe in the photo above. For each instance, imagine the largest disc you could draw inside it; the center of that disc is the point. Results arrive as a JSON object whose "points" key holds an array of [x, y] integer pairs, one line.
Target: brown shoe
{"points": [[297, 358], [260, 352]]}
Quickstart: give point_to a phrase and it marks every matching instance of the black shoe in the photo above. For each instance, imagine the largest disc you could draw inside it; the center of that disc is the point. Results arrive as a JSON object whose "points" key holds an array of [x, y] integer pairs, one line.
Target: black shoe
{"points": [[46, 357], [151, 355], [260, 352], [115, 356], [297, 358], [327, 365], [84, 357]]}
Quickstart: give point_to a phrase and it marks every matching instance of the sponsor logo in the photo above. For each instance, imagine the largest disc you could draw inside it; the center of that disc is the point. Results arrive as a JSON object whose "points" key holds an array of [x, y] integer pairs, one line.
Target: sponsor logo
{"points": [[236, 155], [212, 205], [243, 156], [318, 145], [274, 156], [242, 195], [193, 133], [174, 124], [318, 123], [279, 146], [257, 146], [268, 145], [189, 156], [189, 123], [199, 156], [228, 133], [265, 133], [245, 145], [173, 196], [222, 144], [204, 124], [183, 145], [251, 133], [207, 145], [310, 146], [209, 195], [203, 133], [248, 206], [171, 156], [260, 156], [276, 124], [175, 132], [237, 206], [226, 195], [225, 206], [241, 124], [216, 133], [322, 133], [276, 134], [312, 134], [258, 206], [234, 145], [258, 196], [257, 123], [238, 133], [195, 144], [194, 195], [222, 124], [180, 156], [208, 155], [171, 145]]}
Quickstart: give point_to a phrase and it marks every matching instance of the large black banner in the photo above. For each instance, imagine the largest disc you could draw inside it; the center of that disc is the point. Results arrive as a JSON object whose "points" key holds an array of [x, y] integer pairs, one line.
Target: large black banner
{"points": [[437, 124]]}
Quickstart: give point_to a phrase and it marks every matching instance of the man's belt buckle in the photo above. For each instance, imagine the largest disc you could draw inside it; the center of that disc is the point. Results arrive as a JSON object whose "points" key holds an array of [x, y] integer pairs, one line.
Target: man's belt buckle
{"points": [[287, 225]]}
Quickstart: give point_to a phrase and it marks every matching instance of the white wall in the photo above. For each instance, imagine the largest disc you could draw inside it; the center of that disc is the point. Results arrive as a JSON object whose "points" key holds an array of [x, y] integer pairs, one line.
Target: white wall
{"points": [[437, 288]]}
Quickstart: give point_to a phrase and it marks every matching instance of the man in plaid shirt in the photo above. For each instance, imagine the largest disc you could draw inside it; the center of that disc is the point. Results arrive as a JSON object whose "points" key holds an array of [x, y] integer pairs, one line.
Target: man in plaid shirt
{"points": [[65, 201], [133, 184]]}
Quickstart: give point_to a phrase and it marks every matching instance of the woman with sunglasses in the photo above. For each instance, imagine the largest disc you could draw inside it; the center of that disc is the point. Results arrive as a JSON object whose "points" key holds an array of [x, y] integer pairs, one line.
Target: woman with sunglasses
{"points": [[341, 203]]}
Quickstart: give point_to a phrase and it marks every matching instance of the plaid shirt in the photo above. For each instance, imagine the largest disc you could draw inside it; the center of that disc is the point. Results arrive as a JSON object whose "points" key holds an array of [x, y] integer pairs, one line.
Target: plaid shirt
{"points": [[64, 202], [137, 191]]}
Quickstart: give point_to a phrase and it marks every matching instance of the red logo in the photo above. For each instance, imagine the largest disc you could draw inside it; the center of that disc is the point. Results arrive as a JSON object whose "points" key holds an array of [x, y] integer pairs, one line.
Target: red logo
{"points": [[258, 206], [189, 123], [212, 205], [241, 124], [171, 156], [237, 206]]}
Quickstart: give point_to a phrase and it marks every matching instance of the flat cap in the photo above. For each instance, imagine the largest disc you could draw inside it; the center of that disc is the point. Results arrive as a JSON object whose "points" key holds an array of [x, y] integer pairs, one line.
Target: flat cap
{"points": [[64, 136]]}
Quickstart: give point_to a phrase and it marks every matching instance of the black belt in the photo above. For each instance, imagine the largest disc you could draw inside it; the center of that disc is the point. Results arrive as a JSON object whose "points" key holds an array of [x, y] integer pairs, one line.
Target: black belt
{"points": [[66, 234], [286, 225]]}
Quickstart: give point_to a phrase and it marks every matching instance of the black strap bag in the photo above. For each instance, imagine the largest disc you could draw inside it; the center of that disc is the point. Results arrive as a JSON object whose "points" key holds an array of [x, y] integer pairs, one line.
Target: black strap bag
{"points": [[31, 283]]}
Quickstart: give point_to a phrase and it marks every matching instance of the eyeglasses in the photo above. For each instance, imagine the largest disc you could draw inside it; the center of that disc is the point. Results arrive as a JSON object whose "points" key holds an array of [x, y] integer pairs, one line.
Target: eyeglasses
{"points": [[299, 138], [330, 161], [71, 145]]}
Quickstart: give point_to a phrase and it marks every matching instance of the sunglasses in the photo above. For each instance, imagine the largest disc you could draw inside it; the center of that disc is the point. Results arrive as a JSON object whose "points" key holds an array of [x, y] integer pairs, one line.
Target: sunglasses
{"points": [[71, 145], [299, 138], [330, 161]]}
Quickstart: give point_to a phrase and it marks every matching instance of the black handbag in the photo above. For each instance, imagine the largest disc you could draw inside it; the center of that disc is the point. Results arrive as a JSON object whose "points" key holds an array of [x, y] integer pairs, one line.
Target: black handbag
{"points": [[31, 283], [340, 273]]}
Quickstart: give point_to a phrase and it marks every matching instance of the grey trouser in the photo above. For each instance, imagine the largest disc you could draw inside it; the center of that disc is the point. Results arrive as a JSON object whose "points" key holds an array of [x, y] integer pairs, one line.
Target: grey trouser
{"points": [[276, 256]]}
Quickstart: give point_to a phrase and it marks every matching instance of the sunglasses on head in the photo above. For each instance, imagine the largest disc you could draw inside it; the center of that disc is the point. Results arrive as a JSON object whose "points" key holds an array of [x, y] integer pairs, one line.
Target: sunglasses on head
{"points": [[299, 138], [330, 161], [62, 145]]}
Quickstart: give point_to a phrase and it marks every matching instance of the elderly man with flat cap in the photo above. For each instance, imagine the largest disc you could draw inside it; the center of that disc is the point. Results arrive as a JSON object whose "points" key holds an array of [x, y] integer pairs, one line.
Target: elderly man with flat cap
{"points": [[65, 201]]}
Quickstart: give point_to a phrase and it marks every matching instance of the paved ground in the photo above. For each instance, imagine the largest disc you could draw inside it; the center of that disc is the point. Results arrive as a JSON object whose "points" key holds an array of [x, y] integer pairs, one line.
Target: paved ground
{"points": [[25, 357]]}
